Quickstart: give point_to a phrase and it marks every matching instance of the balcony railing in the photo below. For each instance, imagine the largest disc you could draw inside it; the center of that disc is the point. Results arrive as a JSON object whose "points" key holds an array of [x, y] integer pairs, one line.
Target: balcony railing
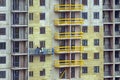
{"points": [[107, 6], [117, 59], [68, 35], [107, 73], [117, 32], [117, 19], [68, 21], [117, 73], [68, 63], [68, 7], [38, 51], [107, 33], [117, 46], [117, 6], [68, 49]]}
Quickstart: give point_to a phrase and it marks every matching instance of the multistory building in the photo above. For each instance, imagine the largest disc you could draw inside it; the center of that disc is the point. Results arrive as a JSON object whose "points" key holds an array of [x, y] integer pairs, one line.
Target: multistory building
{"points": [[54, 40], [111, 21]]}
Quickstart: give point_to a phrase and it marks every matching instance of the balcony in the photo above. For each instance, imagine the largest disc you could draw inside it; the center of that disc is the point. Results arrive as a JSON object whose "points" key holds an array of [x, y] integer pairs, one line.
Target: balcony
{"points": [[68, 21], [117, 59], [107, 6], [117, 46], [68, 63], [117, 73], [43, 51], [68, 35], [69, 49], [68, 7], [117, 19], [117, 6], [108, 73]]}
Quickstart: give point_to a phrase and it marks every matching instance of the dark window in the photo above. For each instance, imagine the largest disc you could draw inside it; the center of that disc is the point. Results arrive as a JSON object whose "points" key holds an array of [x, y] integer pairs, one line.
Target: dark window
{"points": [[117, 2], [84, 56], [96, 42], [117, 14], [2, 74], [30, 2], [96, 15], [84, 70], [42, 16], [42, 73], [96, 2], [31, 73], [30, 16], [72, 72], [84, 2], [42, 30], [2, 17], [42, 2], [2, 31], [30, 30], [42, 44], [2, 2], [42, 58], [62, 73], [84, 42], [96, 69], [84, 15], [2, 45], [96, 28], [30, 58], [2, 60], [96, 55], [85, 29], [30, 44]]}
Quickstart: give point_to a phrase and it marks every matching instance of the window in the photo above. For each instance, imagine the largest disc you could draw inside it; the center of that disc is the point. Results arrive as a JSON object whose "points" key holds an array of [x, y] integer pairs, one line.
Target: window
{"points": [[30, 2], [96, 42], [2, 17], [96, 2], [30, 44], [96, 55], [84, 42], [84, 15], [42, 2], [42, 73], [61, 71], [85, 29], [2, 74], [42, 58], [117, 14], [84, 2], [2, 31], [96, 28], [96, 15], [42, 16], [31, 73], [72, 72], [2, 2], [42, 44], [2, 45], [84, 56], [30, 58], [42, 30], [30, 16], [30, 30], [84, 70], [117, 2], [2, 60], [96, 69]]}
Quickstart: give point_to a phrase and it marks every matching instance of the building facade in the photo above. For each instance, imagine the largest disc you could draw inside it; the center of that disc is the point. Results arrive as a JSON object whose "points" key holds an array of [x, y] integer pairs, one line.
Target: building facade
{"points": [[59, 40], [111, 21]]}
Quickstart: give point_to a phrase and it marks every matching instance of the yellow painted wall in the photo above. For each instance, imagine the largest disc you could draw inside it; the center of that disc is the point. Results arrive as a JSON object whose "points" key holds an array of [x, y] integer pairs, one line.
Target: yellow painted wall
{"points": [[91, 49], [36, 66]]}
